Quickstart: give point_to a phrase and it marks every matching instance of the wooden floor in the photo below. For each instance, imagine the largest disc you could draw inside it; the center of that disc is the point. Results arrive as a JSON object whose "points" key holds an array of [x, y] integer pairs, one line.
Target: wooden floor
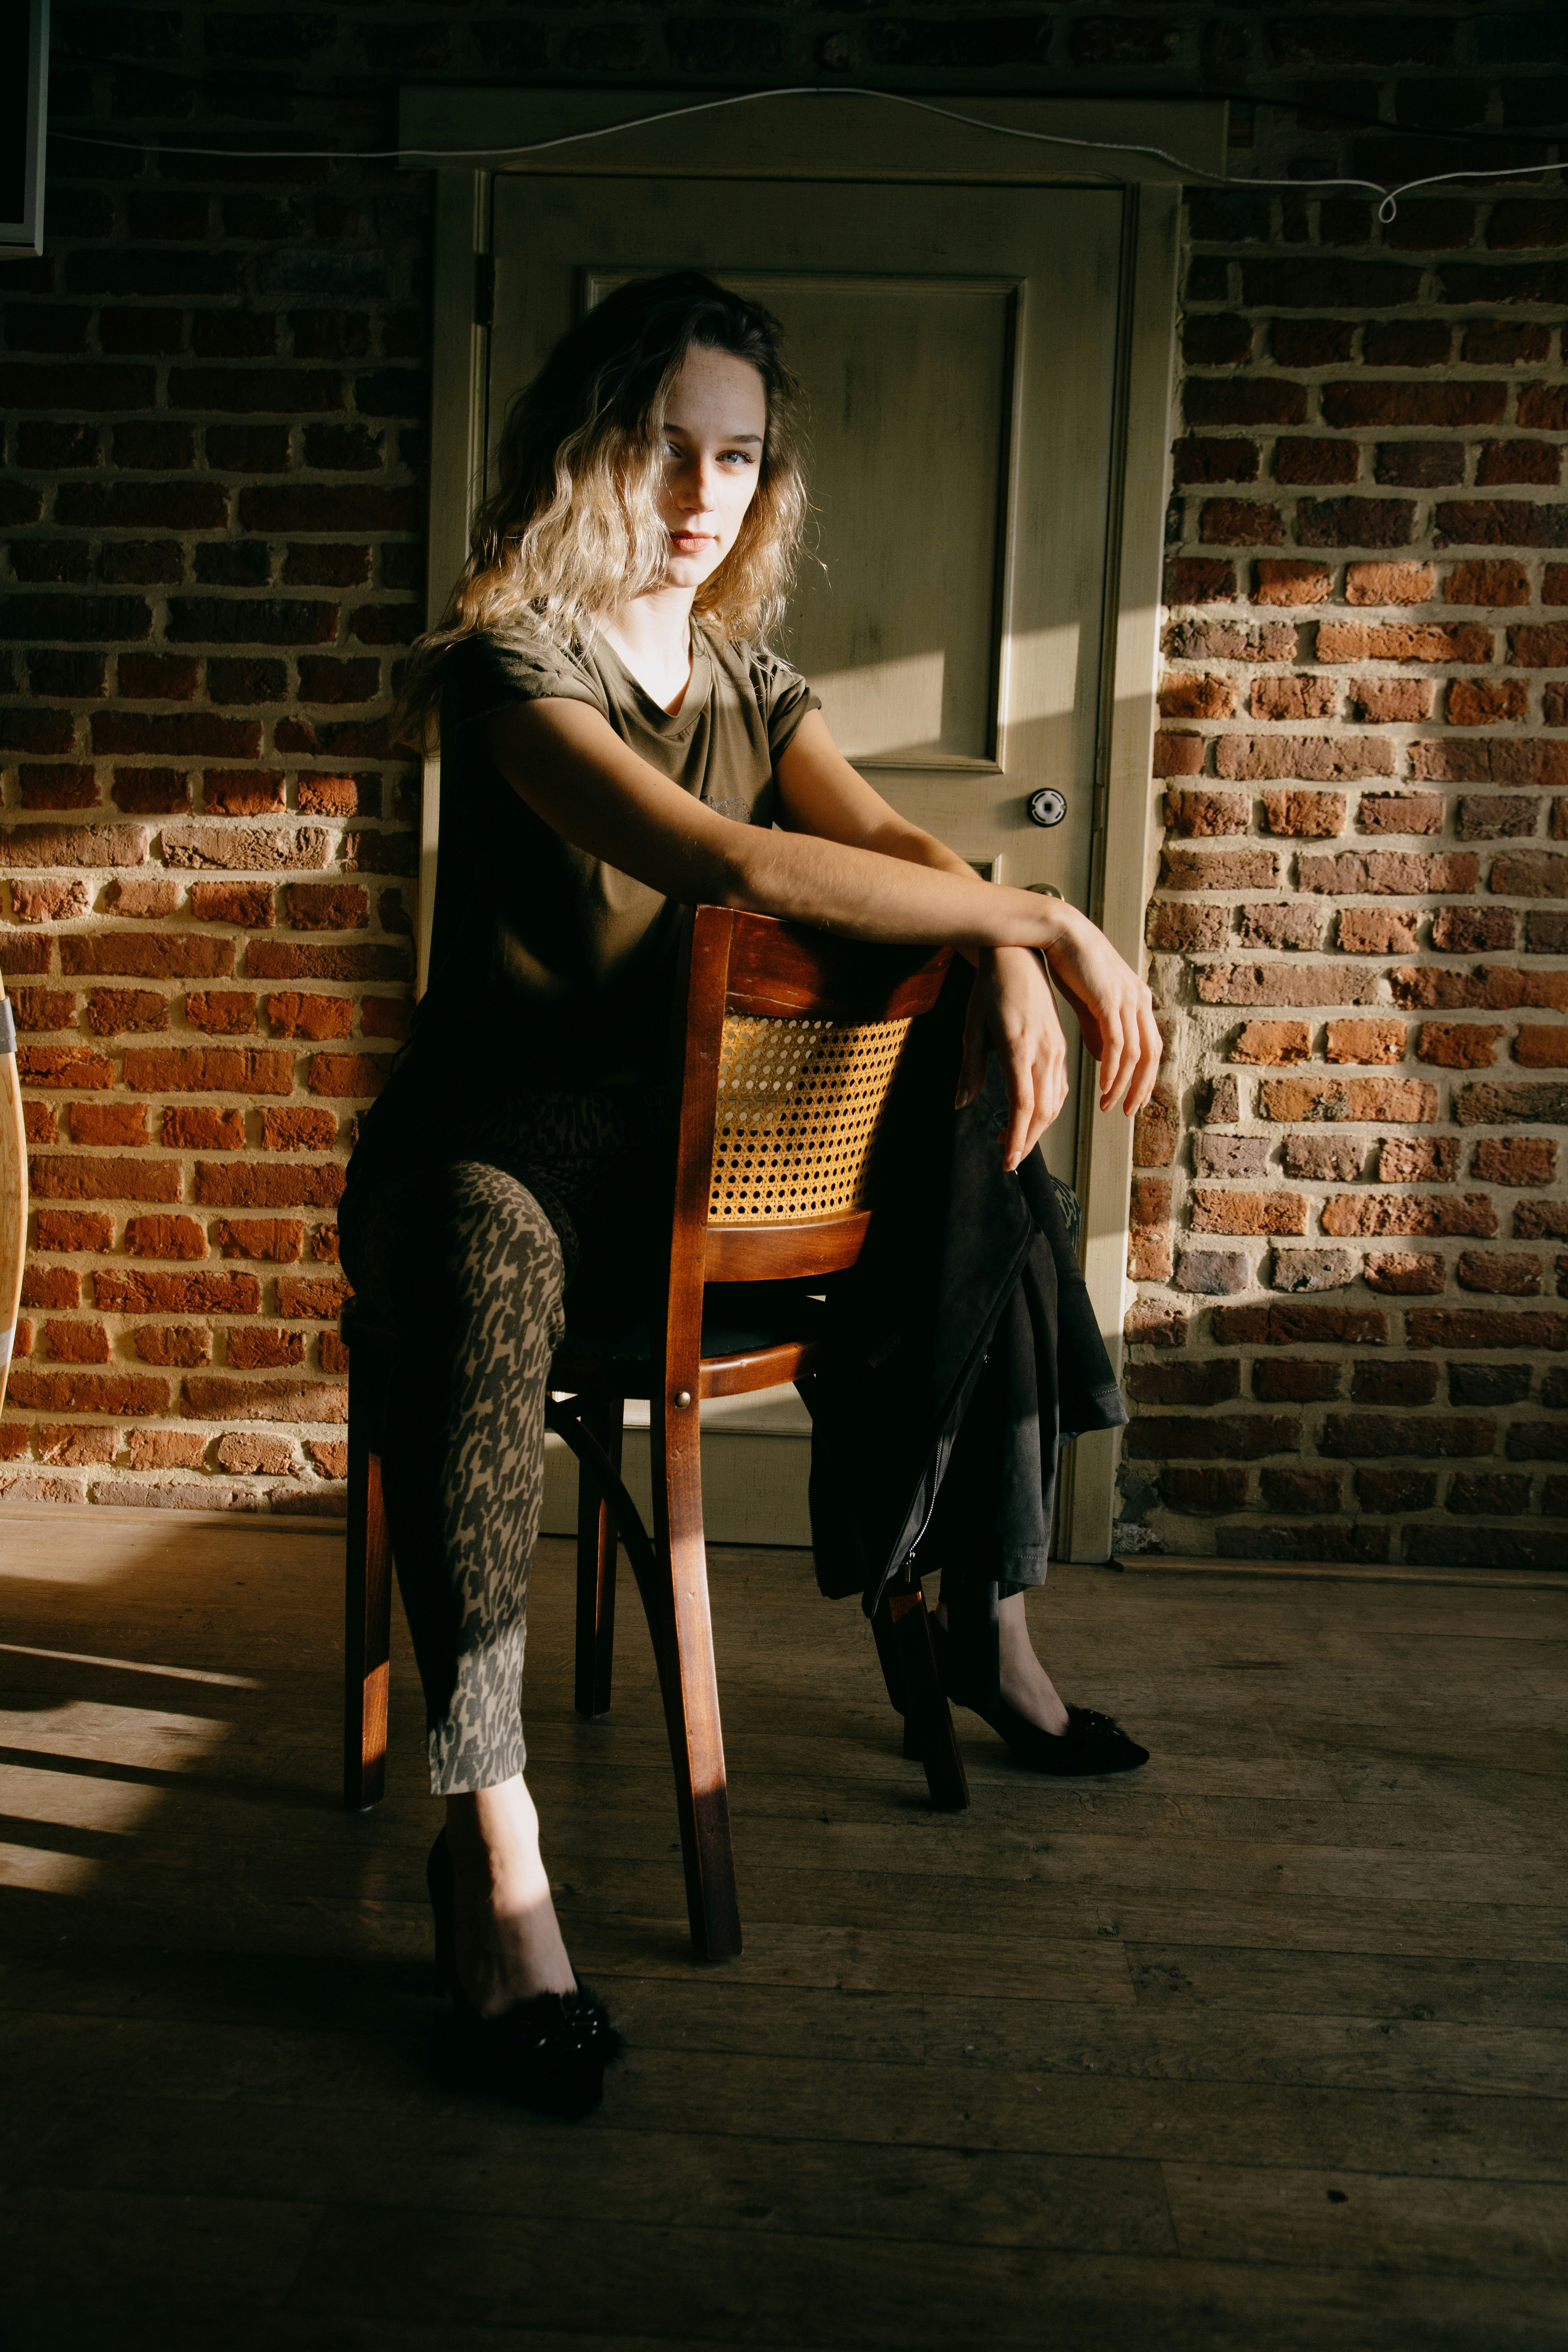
{"points": [[1260, 2048]]}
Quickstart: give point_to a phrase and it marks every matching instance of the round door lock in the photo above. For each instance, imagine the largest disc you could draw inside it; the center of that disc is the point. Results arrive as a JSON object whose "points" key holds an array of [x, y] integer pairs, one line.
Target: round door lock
{"points": [[1047, 807]]}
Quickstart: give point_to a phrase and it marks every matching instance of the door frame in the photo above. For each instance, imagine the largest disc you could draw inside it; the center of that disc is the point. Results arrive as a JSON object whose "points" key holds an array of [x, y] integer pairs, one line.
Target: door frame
{"points": [[797, 135]]}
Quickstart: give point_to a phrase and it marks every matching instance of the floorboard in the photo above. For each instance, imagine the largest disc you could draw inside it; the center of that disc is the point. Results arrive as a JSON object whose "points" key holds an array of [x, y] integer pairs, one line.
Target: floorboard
{"points": [[1263, 2045]]}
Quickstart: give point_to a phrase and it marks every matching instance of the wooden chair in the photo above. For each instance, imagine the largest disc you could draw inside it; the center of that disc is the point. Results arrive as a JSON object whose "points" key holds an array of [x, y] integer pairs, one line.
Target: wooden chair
{"points": [[787, 1043]]}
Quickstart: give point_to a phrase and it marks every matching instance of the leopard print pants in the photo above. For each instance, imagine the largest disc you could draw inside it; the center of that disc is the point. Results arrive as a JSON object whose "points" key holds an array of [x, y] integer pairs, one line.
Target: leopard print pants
{"points": [[466, 1262]]}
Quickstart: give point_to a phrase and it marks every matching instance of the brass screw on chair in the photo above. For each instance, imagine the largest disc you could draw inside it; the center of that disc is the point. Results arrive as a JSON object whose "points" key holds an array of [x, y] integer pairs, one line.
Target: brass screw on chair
{"points": [[682, 1399]]}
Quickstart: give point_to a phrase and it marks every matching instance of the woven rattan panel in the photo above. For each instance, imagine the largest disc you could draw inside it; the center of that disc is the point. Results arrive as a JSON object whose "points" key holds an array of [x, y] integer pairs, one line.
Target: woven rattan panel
{"points": [[799, 1103]]}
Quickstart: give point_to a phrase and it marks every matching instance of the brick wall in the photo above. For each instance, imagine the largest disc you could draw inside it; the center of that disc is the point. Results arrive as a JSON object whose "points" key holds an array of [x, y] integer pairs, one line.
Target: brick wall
{"points": [[1348, 1236]]}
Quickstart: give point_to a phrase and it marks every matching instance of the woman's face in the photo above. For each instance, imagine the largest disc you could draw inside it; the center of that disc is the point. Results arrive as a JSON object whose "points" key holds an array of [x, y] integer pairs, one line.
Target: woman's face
{"points": [[713, 430]]}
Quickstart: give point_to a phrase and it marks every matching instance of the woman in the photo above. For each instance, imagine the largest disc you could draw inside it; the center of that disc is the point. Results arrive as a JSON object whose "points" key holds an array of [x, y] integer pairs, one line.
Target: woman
{"points": [[616, 745]]}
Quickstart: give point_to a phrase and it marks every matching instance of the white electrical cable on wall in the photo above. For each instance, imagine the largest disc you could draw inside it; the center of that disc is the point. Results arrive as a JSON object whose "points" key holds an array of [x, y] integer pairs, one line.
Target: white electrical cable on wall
{"points": [[1387, 210]]}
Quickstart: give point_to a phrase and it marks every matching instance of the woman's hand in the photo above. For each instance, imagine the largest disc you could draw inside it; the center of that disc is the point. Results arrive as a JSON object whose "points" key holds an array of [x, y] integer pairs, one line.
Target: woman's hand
{"points": [[1013, 1014], [1114, 1009]]}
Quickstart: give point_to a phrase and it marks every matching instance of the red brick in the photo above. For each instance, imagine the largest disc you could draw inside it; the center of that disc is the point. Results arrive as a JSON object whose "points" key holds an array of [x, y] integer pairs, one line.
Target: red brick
{"points": [[1544, 407], [126, 1011], [1346, 1436], [1539, 648], [71, 1176], [1214, 459], [63, 1229], [1401, 1491], [57, 787], [1494, 522], [251, 1454], [109, 1123], [359, 1077], [1215, 1383], [1178, 754], [179, 1237], [1412, 641], [1403, 874], [1386, 1213], [1467, 930], [1457, 1045], [1404, 1100], [1418, 1160], [1203, 1492], [1218, 1211], [1295, 1380], [1299, 696], [1530, 874], [326, 1244], [1541, 1048], [221, 1184], [1388, 700], [1496, 1104], [63, 1066], [1404, 1273], [77, 1343], [1190, 695], [1311, 343], [40, 1124], [1364, 1041], [204, 1131], [1197, 580], [1487, 703], [222, 1013], [1506, 1271], [1366, 400], [239, 849], [166, 1449], [35, 1009], [1515, 1160], [1315, 759], [208, 1396], [1492, 988], [1244, 400], [1155, 1323], [108, 1392], [243, 791], [1283, 984], [200, 1069], [1449, 1328], [1324, 1158], [246, 904], [1231, 641], [1494, 584], [330, 1353], [1230, 1436], [1304, 815], [323, 1298], [293, 1016], [138, 1292], [1272, 1043], [299, 1130], [1554, 585], [51, 1286], [1501, 462], [1239, 522], [265, 1351], [1299, 1490], [1355, 523], [385, 1016], [1401, 812], [161, 955], [329, 1459], [326, 906], [1186, 929], [179, 1345], [1315, 462], [275, 1239], [74, 1441], [1291, 581], [1405, 1383]]}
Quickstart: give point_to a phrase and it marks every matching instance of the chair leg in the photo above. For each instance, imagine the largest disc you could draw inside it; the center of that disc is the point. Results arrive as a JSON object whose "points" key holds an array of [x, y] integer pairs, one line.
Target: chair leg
{"points": [[927, 1719], [367, 1630], [685, 1648], [597, 1548]]}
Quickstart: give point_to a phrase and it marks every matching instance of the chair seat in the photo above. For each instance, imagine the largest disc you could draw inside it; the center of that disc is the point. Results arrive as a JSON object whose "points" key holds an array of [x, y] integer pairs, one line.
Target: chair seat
{"points": [[738, 1318]]}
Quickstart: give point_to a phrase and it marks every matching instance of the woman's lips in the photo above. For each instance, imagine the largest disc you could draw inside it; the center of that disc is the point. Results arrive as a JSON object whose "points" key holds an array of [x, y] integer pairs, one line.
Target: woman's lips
{"points": [[691, 538]]}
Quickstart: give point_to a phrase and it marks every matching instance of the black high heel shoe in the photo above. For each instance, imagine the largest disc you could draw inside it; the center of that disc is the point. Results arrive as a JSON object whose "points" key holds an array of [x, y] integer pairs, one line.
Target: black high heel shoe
{"points": [[1091, 1742], [549, 2052]]}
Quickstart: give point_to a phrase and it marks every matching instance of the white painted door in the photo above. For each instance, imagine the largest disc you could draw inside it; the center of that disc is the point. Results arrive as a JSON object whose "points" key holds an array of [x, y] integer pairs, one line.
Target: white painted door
{"points": [[958, 348]]}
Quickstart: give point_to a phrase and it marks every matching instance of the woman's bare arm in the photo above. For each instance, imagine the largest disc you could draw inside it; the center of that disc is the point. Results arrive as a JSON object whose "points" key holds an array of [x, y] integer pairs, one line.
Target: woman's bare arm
{"points": [[564, 759]]}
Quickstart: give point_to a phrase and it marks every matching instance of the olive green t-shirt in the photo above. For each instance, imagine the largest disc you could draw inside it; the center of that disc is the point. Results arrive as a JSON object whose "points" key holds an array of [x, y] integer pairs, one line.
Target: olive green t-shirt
{"points": [[549, 967]]}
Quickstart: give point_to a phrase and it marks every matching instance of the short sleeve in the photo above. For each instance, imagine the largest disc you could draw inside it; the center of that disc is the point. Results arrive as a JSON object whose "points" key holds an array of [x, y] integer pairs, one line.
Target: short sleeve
{"points": [[783, 696], [486, 673]]}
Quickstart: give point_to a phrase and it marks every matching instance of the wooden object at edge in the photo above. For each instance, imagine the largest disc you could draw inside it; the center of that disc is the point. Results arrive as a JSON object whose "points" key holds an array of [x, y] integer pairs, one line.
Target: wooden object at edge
{"points": [[13, 1188]]}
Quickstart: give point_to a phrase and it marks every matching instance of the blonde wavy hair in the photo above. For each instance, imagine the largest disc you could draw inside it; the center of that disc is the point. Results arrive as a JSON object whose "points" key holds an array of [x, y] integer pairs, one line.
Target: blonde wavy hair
{"points": [[572, 529]]}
